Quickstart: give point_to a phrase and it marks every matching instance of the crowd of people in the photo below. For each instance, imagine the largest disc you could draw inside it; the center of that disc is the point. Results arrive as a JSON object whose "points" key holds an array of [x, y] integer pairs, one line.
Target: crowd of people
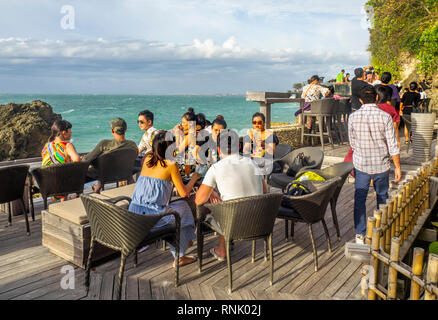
{"points": [[195, 147]]}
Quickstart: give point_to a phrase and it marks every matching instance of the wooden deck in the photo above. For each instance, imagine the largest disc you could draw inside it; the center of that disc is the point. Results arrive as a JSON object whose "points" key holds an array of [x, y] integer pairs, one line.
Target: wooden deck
{"points": [[29, 271]]}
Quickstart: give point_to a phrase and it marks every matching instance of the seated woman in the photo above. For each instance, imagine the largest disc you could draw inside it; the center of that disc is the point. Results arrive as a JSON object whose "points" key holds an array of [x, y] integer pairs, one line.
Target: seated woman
{"points": [[182, 130], [202, 138], [58, 149], [312, 92], [153, 191], [259, 143]]}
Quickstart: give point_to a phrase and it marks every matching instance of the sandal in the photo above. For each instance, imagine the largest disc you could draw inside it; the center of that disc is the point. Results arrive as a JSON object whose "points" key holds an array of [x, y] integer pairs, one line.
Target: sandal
{"points": [[94, 187], [213, 252], [181, 263]]}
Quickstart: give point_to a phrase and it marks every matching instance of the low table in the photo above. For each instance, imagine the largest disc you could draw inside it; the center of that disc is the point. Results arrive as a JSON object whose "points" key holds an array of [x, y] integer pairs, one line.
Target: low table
{"points": [[66, 229]]}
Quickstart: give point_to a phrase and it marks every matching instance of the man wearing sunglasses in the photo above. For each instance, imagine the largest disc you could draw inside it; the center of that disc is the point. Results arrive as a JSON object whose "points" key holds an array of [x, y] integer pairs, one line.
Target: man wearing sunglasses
{"points": [[146, 123]]}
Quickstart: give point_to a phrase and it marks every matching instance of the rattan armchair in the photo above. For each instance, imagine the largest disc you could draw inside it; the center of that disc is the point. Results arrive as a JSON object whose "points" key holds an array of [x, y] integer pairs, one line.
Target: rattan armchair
{"points": [[281, 180], [124, 231], [341, 170], [12, 181], [245, 219], [282, 150], [60, 179], [114, 166], [309, 209]]}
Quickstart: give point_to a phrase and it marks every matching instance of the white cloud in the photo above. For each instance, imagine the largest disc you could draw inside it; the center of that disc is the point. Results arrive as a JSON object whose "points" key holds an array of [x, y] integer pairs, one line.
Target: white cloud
{"points": [[137, 50]]}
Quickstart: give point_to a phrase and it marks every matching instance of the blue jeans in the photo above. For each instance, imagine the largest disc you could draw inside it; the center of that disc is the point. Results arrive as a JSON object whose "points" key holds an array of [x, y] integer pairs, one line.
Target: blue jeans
{"points": [[361, 185]]}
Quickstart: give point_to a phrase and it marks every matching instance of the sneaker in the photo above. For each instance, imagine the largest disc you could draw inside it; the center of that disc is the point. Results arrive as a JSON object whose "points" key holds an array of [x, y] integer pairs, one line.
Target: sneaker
{"points": [[359, 239]]}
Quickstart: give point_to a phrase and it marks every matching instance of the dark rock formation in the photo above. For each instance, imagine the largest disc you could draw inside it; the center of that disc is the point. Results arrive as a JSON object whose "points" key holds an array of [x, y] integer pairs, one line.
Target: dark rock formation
{"points": [[24, 129]]}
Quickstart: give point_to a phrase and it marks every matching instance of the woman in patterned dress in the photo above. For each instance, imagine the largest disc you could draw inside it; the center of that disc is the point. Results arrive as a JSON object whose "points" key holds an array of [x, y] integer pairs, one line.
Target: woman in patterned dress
{"points": [[58, 149]]}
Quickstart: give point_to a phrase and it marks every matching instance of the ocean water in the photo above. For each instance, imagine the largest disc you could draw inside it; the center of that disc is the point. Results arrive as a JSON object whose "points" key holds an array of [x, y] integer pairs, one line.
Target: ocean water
{"points": [[90, 114]]}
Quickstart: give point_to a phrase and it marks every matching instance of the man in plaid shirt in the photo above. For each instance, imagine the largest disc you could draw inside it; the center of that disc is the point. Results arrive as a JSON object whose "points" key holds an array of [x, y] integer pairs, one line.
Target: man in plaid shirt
{"points": [[373, 140]]}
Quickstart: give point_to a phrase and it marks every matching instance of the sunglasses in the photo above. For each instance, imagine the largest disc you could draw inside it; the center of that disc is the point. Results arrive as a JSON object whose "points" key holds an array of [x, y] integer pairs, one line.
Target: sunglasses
{"points": [[140, 122], [257, 123]]}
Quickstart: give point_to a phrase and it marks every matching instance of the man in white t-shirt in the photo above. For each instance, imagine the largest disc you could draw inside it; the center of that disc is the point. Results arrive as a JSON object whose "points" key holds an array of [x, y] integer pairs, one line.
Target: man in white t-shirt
{"points": [[146, 122], [233, 176]]}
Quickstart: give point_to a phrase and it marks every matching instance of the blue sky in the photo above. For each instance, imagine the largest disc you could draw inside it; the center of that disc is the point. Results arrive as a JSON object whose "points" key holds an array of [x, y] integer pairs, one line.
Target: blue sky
{"points": [[171, 46]]}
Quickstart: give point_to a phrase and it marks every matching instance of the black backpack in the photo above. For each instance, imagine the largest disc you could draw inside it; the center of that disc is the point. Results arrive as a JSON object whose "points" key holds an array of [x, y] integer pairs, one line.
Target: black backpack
{"points": [[299, 162]]}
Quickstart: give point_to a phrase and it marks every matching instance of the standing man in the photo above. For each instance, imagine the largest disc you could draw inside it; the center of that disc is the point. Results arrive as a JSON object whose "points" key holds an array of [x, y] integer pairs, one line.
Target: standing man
{"points": [[373, 140], [340, 77], [356, 85], [146, 123]]}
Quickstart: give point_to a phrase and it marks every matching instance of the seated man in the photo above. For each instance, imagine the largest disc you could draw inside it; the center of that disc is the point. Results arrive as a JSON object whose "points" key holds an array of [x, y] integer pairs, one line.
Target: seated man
{"points": [[233, 176], [118, 129]]}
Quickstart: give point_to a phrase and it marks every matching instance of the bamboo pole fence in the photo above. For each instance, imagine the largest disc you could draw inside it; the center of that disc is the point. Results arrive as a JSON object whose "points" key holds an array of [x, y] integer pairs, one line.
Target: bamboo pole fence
{"points": [[391, 232]]}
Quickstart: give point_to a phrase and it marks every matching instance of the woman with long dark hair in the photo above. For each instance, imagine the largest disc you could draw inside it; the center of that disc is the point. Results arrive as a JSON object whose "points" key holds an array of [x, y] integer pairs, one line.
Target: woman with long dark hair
{"points": [[154, 188], [59, 149]]}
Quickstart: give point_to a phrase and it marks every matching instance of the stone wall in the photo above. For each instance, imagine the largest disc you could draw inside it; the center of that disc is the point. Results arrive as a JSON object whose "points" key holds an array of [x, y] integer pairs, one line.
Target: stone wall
{"points": [[291, 135]]}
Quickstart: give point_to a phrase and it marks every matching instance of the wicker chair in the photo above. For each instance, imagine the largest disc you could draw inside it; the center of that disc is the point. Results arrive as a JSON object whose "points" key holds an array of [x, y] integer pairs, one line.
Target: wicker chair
{"points": [[281, 180], [124, 231], [233, 217], [309, 209], [282, 150], [115, 166], [60, 179], [12, 184], [341, 170]]}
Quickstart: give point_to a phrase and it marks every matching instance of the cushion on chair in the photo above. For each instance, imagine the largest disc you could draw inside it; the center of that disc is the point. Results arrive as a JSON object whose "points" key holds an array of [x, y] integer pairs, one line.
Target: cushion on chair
{"points": [[280, 180], [167, 230], [288, 213], [71, 210], [121, 191], [74, 211]]}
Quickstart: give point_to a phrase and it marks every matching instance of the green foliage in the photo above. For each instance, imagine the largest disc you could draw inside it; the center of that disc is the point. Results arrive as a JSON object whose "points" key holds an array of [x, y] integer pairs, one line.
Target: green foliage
{"points": [[404, 26], [297, 86]]}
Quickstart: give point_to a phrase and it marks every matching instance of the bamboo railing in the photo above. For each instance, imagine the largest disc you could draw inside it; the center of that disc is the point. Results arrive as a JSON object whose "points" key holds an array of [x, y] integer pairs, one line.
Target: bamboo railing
{"points": [[391, 232]]}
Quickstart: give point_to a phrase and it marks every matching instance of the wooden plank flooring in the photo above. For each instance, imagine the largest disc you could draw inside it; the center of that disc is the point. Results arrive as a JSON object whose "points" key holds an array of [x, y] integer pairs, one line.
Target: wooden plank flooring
{"points": [[29, 271]]}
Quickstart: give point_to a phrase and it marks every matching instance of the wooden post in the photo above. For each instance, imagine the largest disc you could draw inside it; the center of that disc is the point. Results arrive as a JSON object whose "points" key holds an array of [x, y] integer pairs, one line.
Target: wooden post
{"points": [[375, 242], [383, 224], [392, 276], [394, 217], [388, 236], [265, 108], [428, 191], [432, 275], [370, 226], [406, 211], [399, 220], [417, 269], [409, 214], [378, 216]]}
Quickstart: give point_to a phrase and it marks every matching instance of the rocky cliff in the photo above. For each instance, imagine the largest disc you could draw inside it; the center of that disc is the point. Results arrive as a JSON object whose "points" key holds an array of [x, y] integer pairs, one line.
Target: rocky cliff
{"points": [[409, 73], [24, 129]]}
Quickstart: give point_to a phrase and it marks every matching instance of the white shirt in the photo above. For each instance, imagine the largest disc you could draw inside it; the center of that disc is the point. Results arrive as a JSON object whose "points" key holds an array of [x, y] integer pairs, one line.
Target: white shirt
{"points": [[146, 140], [235, 177], [423, 95]]}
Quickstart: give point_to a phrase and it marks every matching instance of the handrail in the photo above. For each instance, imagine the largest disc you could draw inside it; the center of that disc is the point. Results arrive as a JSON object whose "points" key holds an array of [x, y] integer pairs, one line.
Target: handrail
{"points": [[391, 232]]}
